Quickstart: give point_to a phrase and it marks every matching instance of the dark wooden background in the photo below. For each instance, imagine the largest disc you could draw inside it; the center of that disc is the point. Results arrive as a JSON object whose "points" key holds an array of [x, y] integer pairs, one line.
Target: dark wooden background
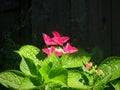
{"points": [[89, 23]]}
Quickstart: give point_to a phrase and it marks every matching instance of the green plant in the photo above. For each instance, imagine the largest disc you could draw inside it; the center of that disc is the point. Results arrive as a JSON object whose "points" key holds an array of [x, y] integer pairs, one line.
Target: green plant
{"points": [[66, 71]]}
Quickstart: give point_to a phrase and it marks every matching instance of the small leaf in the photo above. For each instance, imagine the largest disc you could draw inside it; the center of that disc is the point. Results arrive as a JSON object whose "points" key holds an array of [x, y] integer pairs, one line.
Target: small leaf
{"points": [[11, 79]]}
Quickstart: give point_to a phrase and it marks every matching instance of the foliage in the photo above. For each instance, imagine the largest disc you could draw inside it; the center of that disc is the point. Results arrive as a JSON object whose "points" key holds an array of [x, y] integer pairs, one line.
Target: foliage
{"points": [[65, 72], [71, 71]]}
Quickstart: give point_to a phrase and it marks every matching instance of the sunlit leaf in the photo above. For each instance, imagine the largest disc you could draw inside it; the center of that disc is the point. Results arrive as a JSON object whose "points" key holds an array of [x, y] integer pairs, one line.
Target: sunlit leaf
{"points": [[58, 75], [31, 52], [111, 66], [75, 60], [74, 81], [26, 84], [11, 79], [111, 71], [28, 66]]}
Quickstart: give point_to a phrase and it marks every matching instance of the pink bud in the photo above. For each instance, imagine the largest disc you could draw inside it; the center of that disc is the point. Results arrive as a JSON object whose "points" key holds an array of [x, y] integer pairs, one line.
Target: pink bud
{"points": [[88, 66], [98, 71]]}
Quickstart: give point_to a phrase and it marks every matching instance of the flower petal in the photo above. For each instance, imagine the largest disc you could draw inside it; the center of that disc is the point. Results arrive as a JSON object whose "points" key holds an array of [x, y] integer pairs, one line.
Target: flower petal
{"points": [[55, 34], [69, 49], [64, 39], [48, 40], [60, 40]]}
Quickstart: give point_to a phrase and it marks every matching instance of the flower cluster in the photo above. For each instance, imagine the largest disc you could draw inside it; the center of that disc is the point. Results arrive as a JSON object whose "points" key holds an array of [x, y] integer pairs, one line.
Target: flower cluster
{"points": [[92, 68], [56, 44]]}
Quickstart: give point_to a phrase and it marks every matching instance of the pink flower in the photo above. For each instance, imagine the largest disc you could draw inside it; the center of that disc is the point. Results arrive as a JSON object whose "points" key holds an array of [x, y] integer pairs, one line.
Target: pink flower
{"points": [[52, 49], [69, 49], [88, 66], [58, 39], [48, 40]]}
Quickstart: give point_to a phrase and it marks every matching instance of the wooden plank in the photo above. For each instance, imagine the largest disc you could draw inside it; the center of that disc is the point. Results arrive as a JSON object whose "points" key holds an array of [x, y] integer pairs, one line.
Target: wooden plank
{"points": [[79, 23], [48, 16], [115, 27], [99, 25]]}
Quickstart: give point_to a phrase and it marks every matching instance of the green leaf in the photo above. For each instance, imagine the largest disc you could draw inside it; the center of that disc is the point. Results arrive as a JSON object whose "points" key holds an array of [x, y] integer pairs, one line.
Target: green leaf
{"points": [[75, 60], [11, 79], [55, 75], [116, 84], [28, 66], [52, 86], [52, 71], [58, 75], [30, 59], [44, 70], [111, 71], [101, 84], [54, 59], [26, 84], [111, 67], [50, 62], [74, 78], [31, 52]]}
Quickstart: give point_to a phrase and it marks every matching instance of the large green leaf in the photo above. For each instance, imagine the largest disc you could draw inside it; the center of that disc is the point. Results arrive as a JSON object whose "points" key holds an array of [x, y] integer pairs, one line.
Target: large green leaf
{"points": [[28, 66], [54, 74], [30, 59], [27, 84], [11, 79], [52, 71], [111, 67], [31, 52], [111, 71], [101, 84], [75, 80], [58, 75], [54, 59], [75, 60], [53, 86], [50, 62]]}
